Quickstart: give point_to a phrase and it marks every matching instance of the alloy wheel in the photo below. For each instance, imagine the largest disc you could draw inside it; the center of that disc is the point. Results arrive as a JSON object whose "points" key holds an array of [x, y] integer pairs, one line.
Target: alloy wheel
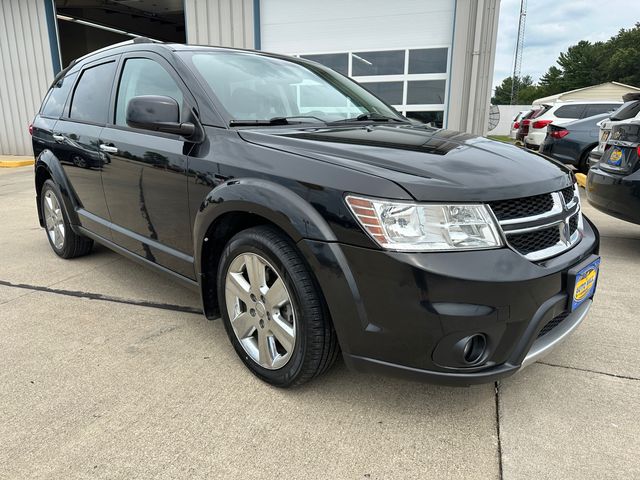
{"points": [[54, 219], [260, 310]]}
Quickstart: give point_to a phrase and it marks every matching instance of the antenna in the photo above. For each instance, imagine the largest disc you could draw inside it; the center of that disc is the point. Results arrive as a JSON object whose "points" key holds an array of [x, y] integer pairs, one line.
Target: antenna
{"points": [[517, 61]]}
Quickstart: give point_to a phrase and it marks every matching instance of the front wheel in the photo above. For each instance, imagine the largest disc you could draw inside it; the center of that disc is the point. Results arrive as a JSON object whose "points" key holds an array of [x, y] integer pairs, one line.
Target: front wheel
{"points": [[272, 310]]}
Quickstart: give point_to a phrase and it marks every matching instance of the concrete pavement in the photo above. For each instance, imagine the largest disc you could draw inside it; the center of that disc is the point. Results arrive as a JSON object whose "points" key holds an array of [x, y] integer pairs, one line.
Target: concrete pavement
{"points": [[109, 373]]}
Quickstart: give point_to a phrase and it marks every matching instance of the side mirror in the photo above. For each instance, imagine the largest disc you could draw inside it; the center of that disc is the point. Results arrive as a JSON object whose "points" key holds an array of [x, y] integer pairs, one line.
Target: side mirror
{"points": [[157, 113]]}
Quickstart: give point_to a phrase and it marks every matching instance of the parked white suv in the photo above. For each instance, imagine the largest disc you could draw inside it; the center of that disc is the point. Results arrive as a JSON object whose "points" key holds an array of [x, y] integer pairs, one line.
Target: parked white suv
{"points": [[564, 112], [629, 111]]}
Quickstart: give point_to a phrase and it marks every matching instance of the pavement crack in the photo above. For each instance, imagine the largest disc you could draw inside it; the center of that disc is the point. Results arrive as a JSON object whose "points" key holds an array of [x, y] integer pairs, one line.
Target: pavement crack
{"points": [[615, 375], [497, 397], [105, 298]]}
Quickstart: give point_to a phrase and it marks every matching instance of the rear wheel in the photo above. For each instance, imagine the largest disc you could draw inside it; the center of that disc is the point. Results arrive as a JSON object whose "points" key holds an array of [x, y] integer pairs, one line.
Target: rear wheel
{"points": [[583, 163], [272, 310], [64, 241]]}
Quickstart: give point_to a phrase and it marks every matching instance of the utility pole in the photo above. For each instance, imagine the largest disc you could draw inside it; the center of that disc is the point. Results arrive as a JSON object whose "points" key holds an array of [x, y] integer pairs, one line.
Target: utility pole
{"points": [[517, 61]]}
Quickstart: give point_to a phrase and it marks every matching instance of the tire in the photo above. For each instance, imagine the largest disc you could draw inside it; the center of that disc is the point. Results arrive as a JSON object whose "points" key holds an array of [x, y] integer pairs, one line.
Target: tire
{"points": [[284, 345], [583, 164], [63, 240]]}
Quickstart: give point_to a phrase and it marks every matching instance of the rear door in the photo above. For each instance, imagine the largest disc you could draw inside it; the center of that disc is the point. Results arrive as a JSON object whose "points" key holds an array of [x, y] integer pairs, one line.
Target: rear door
{"points": [[51, 110], [145, 180], [77, 139]]}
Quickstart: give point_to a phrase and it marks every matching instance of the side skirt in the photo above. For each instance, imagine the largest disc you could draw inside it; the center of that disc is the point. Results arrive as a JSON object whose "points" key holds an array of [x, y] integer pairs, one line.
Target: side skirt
{"points": [[187, 282]]}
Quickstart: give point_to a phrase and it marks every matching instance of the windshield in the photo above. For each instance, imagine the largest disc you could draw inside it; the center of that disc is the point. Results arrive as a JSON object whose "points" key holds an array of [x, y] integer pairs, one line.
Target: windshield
{"points": [[258, 87]]}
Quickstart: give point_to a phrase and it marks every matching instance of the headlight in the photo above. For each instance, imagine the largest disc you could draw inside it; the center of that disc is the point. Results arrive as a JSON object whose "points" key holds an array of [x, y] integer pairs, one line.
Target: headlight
{"points": [[406, 226]]}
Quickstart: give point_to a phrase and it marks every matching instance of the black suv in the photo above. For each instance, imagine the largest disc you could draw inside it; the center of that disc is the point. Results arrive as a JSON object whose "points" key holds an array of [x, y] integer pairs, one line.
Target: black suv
{"points": [[312, 216]]}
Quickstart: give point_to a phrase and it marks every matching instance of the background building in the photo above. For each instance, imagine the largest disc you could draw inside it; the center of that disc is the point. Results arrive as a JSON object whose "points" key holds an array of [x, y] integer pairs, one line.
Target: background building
{"points": [[604, 91], [433, 60]]}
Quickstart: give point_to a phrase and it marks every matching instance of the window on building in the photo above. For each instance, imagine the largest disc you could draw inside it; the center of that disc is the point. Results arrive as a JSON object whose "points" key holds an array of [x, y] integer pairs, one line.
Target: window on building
{"points": [[413, 80], [336, 61], [435, 118], [390, 92], [389, 62], [54, 104], [428, 60], [422, 92], [142, 76], [90, 101]]}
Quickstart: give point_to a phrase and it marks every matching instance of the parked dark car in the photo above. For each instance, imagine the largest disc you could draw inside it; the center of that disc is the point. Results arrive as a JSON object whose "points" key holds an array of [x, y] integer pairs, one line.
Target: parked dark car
{"points": [[629, 110], [312, 216], [572, 143], [613, 184]]}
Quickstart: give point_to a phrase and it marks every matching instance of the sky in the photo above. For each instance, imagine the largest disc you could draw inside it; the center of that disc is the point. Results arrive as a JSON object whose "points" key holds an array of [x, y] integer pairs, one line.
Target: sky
{"points": [[552, 26]]}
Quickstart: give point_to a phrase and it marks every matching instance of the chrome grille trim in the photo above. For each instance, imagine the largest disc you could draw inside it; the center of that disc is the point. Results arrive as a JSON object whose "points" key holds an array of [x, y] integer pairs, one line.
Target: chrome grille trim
{"points": [[559, 216]]}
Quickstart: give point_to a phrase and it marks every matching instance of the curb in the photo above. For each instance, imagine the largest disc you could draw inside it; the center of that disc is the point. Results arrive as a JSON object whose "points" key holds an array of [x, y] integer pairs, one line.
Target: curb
{"points": [[581, 178], [15, 161]]}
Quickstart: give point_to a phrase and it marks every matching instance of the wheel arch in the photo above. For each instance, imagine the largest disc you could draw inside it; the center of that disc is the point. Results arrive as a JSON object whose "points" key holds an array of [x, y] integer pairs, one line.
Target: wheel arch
{"points": [[48, 167], [240, 204]]}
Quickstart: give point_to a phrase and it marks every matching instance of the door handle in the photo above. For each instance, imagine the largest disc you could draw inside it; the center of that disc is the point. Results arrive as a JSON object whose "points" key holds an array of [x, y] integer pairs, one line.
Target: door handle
{"points": [[58, 138], [108, 148]]}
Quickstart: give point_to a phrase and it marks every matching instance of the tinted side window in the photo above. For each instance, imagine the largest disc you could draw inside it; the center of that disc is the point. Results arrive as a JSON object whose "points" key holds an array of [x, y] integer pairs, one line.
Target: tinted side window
{"points": [[597, 109], [90, 101], [569, 111], [54, 103], [142, 76], [628, 110]]}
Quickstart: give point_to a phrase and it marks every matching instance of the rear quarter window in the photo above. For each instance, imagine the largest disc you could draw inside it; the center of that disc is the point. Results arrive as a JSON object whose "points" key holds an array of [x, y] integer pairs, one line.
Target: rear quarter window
{"points": [[53, 104], [598, 108]]}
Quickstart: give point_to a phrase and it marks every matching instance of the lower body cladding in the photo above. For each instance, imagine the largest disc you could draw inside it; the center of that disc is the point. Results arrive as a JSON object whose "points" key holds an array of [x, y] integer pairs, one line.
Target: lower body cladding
{"points": [[614, 193], [456, 318]]}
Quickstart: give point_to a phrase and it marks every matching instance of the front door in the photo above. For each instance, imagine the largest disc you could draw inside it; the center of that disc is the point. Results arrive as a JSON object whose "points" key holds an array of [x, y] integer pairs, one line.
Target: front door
{"points": [[145, 180]]}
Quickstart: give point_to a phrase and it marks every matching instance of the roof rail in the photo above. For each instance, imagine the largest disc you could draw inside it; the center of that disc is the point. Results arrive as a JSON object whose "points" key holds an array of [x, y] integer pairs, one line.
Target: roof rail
{"points": [[115, 45], [146, 40]]}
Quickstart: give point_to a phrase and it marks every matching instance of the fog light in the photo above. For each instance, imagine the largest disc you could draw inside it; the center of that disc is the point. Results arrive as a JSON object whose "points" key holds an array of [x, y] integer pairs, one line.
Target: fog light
{"points": [[474, 348]]}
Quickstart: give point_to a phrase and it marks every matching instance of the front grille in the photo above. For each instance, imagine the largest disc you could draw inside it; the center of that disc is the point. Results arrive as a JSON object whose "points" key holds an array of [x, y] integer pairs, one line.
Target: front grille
{"points": [[522, 207], [573, 224], [533, 241], [553, 323], [540, 226], [568, 194]]}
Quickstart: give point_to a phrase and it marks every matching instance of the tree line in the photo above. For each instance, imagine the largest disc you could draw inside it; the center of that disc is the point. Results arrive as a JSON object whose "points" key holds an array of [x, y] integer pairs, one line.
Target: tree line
{"points": [[582, 65]]}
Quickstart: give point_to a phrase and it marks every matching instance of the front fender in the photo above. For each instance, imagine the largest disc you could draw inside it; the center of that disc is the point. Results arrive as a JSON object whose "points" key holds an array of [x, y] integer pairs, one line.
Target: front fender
{"points": [[281, 206], [49, 163]]}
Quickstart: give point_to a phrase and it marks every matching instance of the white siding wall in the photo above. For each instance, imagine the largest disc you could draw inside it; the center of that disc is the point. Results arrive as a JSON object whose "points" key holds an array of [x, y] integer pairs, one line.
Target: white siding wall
{"points": [[26, 71], [311, 26], [227, 23], [507, 114], [473, 57]]}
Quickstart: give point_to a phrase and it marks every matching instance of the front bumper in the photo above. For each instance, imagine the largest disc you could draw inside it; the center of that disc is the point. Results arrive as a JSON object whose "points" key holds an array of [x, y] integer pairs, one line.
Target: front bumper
{"points": [[615, 194], [405, 313]]}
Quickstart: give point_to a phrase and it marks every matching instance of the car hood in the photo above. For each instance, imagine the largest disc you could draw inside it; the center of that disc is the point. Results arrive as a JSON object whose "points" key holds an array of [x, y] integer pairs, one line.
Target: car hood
{"points": [[432, 165]]}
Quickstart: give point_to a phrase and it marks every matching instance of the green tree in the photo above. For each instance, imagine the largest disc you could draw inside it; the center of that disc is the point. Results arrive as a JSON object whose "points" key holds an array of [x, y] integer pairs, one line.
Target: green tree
{"points": [[582, 65], [502, 93], [622, 59]]}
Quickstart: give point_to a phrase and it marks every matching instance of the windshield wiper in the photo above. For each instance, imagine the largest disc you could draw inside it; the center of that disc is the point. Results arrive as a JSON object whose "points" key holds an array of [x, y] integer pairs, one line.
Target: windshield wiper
{"points": [[369, 116], [272, 121]]}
